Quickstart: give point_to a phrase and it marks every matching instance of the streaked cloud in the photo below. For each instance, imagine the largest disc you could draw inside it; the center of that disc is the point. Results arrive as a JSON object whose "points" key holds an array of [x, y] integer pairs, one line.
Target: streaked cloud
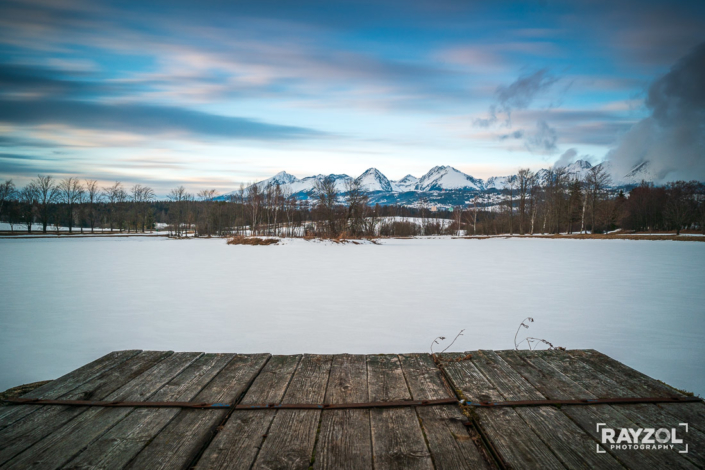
{"points": [[249, 88]]}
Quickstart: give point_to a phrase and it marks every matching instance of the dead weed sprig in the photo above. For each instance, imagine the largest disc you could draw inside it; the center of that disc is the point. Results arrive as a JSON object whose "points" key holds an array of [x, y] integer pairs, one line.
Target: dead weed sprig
{"points": [[442, 338], [530, 340]]}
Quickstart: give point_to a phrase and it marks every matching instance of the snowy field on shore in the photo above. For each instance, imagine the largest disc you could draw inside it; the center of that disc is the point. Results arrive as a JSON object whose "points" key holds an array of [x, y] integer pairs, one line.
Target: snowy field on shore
{"points": [[65, 302]]}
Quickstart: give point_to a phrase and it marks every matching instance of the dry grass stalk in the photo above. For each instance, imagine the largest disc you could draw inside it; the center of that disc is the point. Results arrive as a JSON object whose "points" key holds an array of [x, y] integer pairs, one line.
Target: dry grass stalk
{"points": [[242, 240]]}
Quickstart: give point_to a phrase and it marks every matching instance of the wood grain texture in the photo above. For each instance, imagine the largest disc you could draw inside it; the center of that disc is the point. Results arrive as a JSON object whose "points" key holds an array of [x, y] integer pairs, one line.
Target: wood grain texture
{"points": [[181, 441], [405, 437], [448, 439], [516, 443], [574, 447], [397, 438], [643, 385], [59, 387], [47, 419], [555, 385], [120, 444], [344, 440], [633, 415], [66, 442], [237, 444], [292, 435]]}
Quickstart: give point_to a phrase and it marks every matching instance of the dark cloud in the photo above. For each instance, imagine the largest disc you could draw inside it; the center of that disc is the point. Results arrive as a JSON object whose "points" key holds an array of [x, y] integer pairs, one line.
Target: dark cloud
{"points": [[522, 92], [24, 165], [15, 79], [672, 138], [518, 134], [145, 119], [543, 139], [517, 95]]}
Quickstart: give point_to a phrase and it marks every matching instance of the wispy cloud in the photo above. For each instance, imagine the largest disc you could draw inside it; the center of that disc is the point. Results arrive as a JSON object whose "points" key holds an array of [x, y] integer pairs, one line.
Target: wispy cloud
{"points": [[517, 95], [145, 120]]}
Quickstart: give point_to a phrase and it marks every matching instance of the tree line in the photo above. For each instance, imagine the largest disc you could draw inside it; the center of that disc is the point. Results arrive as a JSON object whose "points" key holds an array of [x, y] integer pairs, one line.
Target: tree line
{"points": [[552, 202], [560, 202]]}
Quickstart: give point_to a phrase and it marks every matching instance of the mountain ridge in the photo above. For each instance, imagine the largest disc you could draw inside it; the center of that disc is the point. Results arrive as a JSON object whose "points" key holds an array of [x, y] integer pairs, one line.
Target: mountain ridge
{"points": [[440, 178]]}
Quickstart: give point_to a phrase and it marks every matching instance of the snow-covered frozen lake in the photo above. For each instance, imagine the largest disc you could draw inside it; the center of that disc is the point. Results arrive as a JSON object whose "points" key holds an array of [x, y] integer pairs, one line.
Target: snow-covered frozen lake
{"points": [[64, 302]]}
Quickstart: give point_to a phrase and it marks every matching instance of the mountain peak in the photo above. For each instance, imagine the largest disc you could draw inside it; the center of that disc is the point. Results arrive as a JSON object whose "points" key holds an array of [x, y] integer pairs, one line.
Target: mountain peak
{"points": [[282, 178], [408, 179], [374, 180], [582, 164], [641, 172], [445, 177]]}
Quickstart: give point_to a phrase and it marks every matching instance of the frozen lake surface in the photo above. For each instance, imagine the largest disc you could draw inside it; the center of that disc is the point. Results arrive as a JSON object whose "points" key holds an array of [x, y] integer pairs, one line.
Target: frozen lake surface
{"points": [[65, 302]]}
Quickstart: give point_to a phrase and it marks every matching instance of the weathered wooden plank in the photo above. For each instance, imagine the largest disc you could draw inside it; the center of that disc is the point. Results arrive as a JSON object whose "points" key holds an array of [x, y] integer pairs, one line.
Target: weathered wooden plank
{"points": [[448, 439], [24, 433], [643, 385], [555, 385], [602, 385], [120, 444], [574, 447], [397, 438], [236, 446], [515, 442], [344, 440], [62, 445], [180, 441], [64, 384], [292, 436]]}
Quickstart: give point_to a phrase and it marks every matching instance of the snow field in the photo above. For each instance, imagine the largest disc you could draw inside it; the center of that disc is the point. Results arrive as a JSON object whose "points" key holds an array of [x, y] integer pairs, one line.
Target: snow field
{"points": [[65, 302]]}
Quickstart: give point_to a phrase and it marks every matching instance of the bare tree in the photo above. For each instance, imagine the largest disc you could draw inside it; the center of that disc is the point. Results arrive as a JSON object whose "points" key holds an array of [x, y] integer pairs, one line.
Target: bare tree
{"points": [[7, 194], [141, 197], [70, 193], [681, 205], [457, 220], [206, 197], [28, 199], [115, 196], [475, 201], [240, 195], [277, 203], [46, 193], [327, 196], [357, 203], [512, 185], [534, 193], [254, 202], [93, 197], [596, 181], [179, 196], [524, 182]]}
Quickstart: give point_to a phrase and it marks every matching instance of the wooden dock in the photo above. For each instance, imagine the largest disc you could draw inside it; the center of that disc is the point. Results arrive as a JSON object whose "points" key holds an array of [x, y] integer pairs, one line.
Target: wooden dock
{"points": [[447, 436]]}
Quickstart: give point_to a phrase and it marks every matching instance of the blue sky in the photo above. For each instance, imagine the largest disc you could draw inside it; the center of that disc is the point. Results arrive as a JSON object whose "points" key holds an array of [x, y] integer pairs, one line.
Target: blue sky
{"points": [[213, 94]]}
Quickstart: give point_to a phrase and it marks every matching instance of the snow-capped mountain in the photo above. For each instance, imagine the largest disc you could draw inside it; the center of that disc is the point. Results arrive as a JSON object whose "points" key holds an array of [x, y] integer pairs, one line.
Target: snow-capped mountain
{"points": [[641, 172], [578, 169], [374, 180], [282, 179], [443, 181], [442, 178], [407, 183], [499, 182], [291, 183]]}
